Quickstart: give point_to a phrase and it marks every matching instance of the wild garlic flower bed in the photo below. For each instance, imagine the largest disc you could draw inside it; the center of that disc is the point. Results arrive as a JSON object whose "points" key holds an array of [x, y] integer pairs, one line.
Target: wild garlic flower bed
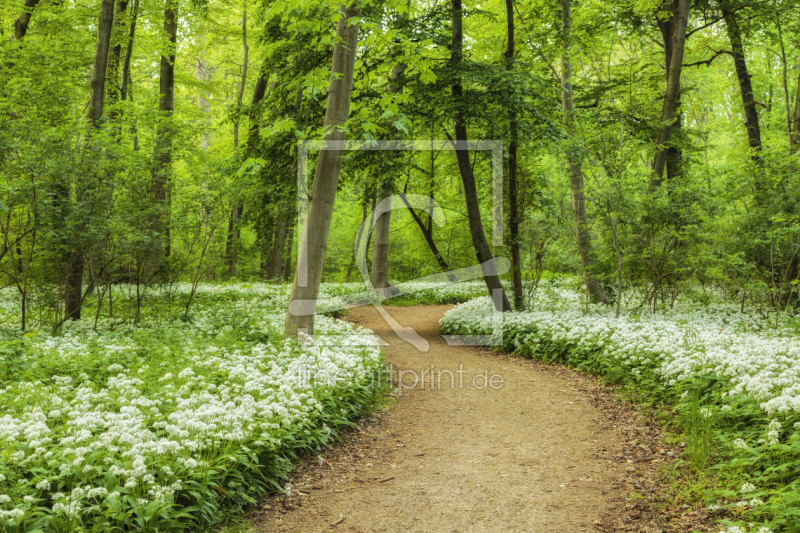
{"points": [[677, 345], [156, 426], [731, 379]]}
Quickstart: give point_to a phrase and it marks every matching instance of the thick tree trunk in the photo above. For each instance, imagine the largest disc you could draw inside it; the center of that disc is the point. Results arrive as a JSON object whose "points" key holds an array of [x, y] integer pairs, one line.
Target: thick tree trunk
{"points": [[672, 96], [162, 158], [73, 297], [745, 84], [479, 242], [513, 209], [379, 277], [278, 243], [24, 20], [580, 219], [314, 241]]}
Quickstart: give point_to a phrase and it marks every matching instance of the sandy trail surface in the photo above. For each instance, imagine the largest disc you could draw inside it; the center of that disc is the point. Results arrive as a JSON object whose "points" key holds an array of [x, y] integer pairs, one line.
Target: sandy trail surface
{"points": [[505, 445]]}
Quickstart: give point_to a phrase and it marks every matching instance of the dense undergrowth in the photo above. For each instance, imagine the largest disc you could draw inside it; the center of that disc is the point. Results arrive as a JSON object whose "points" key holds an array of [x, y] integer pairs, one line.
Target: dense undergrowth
{"points": [[163, 424], [731, 380]]}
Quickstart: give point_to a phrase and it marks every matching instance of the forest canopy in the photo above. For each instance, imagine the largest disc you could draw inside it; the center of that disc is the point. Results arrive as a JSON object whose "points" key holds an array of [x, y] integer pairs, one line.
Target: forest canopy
{"points": [[645, 144]]}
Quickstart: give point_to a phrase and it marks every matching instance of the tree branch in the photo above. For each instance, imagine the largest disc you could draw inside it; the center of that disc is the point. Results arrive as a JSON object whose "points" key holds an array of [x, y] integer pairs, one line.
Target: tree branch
{"points": [[708, 61]]}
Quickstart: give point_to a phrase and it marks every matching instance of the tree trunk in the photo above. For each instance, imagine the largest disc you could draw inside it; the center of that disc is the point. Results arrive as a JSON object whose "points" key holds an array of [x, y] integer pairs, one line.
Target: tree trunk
{"points": [[379, 277], [126, 64], [73, 297], [162, 158], [278, 243], [580, 219], [796, 119], [202, 76], [674, 154], [237, 211], [513, 211], [314, 241], [287, 267], [427, 232], [672, 96], [479, 242], [24, 20], [115, 91], [243, 81], [745, 84]]}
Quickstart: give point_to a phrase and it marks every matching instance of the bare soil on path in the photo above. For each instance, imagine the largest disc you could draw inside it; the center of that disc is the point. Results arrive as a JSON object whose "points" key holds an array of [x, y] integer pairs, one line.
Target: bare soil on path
{"points": [[534, 449]]}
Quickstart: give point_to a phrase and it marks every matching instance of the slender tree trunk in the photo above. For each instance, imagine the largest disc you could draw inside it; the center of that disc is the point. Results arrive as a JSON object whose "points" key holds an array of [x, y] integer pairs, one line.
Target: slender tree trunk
{"points": [[162, 158], [427, 232], [278, 243], [202, 76], [672, 96], [126, 64], [233, 239], [796, 119], [380, 254], [479, 242], [379, 277], [745, 84], [349, 273], [237, 211], [513, 209], [115, 90], [314, 241], [287, 266], [580, 219], [243, 81], [24, 20], [73, 298]]}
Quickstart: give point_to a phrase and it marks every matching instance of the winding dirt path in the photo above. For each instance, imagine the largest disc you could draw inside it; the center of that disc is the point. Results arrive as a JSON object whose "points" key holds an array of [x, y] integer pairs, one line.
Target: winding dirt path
{"points": [[529, 454]]}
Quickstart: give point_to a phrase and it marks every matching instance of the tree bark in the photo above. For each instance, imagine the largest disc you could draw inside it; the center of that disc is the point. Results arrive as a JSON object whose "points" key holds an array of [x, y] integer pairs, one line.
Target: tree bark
{"points": [[24, 20], [379, 276], [314, 240], [479, 242], [287, 266], [162, 158], [115, 91], [796, 119], [427, 232], [667, 28], [73, 297], [745, 84], [126, 64], [580, 218], [243, 81], [672, 96], [513, 209], [278, 243]]}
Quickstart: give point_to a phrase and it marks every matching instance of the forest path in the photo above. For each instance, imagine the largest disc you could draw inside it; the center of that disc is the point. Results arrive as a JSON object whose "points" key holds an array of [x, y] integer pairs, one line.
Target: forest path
{"points": [[513, 458]]}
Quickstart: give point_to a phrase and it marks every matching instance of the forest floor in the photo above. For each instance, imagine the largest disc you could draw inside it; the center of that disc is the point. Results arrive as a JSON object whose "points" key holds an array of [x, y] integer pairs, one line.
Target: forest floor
{"points": [[548, 450]]}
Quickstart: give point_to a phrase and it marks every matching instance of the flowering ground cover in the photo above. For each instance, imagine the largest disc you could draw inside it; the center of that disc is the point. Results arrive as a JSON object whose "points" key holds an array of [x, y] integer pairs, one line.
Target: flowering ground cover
{"points": [[732, 380], [159, 425]]}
